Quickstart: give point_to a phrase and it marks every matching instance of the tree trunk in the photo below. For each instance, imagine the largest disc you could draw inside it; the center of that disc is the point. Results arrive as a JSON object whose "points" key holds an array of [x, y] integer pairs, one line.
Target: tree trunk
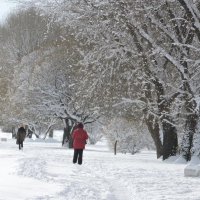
{"points": [[153, 127], [192, 118], [190, 130], [115, 147], [70, 143], [30, 133], [64, 136], [67, 138], [13, 132], [51, 133], [170, 140]]}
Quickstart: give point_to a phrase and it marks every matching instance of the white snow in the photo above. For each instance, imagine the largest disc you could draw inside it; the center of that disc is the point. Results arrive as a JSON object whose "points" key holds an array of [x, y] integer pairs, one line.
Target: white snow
{"points": [[44, 171], [193, 168]]}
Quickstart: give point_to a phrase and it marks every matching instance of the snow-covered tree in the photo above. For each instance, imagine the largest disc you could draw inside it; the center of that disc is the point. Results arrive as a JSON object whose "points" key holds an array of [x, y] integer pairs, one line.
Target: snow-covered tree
{"points": [[45, 82]]}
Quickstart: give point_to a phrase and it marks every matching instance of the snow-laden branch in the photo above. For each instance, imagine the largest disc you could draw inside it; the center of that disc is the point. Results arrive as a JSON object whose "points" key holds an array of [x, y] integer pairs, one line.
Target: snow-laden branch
{"points": [[193, 11], [160, 50], [192, 47], [141, 103]]}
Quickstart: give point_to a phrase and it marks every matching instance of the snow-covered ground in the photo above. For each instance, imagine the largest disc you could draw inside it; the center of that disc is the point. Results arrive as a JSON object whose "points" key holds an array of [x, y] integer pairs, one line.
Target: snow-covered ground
{"points": [[44, 171]]}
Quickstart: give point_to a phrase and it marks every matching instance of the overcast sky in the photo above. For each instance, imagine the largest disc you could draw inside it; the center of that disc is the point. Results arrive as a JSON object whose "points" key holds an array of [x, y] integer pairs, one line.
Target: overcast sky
{"points": [[6, 6]]}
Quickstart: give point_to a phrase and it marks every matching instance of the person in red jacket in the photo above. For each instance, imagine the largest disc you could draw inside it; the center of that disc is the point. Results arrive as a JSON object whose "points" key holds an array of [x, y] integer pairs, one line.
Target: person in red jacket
{"points": [[79, 137]]}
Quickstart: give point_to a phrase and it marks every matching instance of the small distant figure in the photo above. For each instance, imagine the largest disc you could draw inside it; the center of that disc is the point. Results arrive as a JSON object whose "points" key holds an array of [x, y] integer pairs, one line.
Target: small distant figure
{"points": [[21, 134], [79, 137]]}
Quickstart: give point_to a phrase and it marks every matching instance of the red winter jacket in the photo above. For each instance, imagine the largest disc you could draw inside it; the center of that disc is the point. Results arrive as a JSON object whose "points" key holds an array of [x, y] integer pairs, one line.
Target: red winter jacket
{"points": [[79, 137]]}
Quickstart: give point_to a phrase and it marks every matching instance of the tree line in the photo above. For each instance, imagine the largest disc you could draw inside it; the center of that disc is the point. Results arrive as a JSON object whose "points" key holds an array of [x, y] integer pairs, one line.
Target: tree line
{"points": [[134, 63]]}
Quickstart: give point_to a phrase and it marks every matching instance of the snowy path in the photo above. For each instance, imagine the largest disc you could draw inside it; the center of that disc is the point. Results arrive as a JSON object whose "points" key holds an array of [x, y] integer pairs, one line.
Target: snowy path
{"points": [[45, 172]]}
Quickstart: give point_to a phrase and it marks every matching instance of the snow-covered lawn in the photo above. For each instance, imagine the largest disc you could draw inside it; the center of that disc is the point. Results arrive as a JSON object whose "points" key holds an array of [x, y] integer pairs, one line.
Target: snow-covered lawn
{"points": [[44, 171]]}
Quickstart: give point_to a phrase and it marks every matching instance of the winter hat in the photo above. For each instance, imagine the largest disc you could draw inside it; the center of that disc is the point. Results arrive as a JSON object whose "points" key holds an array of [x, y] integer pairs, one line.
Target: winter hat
{"points": [[80, 125]]}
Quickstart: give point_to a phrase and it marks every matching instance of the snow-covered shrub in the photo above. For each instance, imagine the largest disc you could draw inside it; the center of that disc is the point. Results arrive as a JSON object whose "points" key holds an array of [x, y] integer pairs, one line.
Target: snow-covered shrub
{"points": [[95, 132], [128, 137], [6, 129]]}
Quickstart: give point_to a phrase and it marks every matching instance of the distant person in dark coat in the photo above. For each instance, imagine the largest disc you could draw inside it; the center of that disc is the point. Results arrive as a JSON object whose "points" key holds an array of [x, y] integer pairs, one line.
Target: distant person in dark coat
{"points": [[79, 137], [21, 134]]}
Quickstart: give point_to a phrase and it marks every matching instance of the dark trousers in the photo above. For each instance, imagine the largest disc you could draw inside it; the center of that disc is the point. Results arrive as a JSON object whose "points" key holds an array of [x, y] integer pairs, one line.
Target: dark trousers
{"points": [[78, 155], [20, 145]]}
